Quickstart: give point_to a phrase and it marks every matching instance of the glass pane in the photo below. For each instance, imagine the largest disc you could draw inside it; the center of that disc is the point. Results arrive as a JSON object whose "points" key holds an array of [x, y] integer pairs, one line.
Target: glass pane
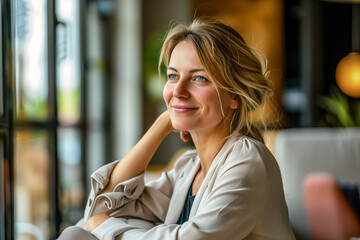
{"points": [[95, 91], [2, 190], [31, 59], [95, 157], [32, 185], [71, 192], [67, 65], [1, 72]]}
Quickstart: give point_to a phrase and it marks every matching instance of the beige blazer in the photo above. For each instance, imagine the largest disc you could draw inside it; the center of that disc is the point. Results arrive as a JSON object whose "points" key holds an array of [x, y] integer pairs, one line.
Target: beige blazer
{"points": [[241, 197]]}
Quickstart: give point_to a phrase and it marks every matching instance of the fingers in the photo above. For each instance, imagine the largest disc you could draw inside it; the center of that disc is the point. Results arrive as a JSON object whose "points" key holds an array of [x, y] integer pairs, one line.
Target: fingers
{"points": [[185, 136]]}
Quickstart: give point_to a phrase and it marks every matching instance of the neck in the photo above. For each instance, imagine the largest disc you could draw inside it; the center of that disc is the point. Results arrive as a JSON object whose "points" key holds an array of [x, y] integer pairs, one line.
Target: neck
{"points": [[208, 144]]}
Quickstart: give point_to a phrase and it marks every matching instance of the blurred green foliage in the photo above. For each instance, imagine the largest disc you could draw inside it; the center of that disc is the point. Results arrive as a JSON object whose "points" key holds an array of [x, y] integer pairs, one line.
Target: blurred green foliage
{"points": [[341, 111], [35, 109], [69, 104], [153, 83]]}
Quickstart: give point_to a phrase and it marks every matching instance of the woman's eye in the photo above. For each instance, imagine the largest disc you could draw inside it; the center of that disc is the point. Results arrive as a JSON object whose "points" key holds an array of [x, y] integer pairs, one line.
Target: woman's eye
{"points": [[172, 77], [200, 79]]}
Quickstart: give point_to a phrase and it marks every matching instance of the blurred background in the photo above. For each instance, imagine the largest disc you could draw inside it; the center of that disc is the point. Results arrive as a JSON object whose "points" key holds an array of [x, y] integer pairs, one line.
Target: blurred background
{"points": [[79, 86]]}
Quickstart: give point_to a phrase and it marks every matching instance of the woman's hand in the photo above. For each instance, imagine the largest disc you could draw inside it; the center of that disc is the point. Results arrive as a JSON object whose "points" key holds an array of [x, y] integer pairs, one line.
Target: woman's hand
{"points": [[184, 135], [95, 221]]}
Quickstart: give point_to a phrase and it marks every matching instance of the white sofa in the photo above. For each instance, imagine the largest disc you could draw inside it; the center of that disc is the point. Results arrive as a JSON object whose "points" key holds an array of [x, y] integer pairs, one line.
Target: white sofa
{"points": [[305, 150]]}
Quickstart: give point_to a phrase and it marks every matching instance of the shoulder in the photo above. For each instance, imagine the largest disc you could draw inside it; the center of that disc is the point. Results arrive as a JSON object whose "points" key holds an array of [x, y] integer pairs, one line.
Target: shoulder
{"points": [[247, 147], [246, 152], [243, 163]]}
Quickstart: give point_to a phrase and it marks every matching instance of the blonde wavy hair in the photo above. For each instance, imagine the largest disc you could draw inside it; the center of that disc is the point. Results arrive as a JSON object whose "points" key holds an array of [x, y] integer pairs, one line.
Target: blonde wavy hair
{"points": [[225, 56]]}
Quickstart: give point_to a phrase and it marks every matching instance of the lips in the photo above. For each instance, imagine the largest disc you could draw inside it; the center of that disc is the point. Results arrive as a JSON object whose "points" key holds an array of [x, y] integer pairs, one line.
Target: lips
{"points": [[183, 109]]}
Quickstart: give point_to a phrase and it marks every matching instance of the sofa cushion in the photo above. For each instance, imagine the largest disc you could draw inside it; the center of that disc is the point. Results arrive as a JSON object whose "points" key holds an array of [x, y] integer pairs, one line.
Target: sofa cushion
{"points": [[302, 151]]}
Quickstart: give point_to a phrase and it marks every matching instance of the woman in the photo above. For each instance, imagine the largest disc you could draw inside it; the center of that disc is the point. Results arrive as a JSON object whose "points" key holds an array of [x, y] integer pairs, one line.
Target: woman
{"points": [[229, 187]]}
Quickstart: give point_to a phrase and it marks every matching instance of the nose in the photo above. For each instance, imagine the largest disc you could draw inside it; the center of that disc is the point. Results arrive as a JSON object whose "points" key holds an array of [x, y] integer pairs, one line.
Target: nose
{"points": [[181, 89]]}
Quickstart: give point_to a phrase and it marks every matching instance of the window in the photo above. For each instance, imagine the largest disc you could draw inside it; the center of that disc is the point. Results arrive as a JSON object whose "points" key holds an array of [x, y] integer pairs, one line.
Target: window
{"points": [[46, 131], [6, 193]]}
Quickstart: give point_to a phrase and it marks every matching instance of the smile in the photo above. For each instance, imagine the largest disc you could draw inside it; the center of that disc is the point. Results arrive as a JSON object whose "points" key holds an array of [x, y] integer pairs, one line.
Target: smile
{"points": [[182, 109]]}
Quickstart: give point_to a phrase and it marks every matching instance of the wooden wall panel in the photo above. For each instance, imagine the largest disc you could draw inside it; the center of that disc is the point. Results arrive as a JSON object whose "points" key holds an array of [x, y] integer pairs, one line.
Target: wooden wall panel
{"points": [[260, 22]]}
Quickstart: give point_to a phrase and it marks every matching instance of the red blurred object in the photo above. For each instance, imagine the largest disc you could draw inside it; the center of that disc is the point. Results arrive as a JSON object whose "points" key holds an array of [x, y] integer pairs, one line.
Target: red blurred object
{"points": [[329, 214]]}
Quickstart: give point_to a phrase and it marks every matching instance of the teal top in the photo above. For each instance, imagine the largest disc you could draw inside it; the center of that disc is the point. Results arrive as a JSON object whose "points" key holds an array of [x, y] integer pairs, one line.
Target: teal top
{"points": [[184, 216]]}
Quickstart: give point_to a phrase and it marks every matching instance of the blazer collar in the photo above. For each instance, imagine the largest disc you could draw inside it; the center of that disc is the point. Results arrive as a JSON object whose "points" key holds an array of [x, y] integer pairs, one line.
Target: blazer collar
{"points": [[210, 175], [179, 196]]}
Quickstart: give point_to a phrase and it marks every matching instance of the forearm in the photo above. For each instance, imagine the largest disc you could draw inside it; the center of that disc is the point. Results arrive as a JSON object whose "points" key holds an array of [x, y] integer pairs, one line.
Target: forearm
{"points": [[136, 161]]}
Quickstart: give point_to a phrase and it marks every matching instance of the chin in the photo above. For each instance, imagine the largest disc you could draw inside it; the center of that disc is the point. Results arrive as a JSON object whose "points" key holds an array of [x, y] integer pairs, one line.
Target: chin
{"points": [[180, 126]]}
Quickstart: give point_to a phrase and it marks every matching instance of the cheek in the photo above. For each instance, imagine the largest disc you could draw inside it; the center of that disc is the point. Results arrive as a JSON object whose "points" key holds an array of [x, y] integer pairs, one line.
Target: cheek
{"points": [[211, 100], [209, 97], [167, 93], [226, 99]]}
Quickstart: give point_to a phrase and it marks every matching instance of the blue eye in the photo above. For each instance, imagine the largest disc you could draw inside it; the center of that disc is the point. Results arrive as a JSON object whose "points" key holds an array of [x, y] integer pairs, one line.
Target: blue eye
{"points": [[200, 79], [172, 77]]}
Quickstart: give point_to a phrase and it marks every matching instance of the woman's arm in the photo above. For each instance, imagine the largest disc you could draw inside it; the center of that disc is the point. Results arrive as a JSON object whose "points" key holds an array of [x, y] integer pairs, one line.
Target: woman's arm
{"points": [[136, 161]]}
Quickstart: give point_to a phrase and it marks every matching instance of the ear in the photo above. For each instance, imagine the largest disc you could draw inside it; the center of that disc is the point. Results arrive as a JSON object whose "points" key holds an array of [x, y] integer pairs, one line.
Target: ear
{"points": [[234, 103]]}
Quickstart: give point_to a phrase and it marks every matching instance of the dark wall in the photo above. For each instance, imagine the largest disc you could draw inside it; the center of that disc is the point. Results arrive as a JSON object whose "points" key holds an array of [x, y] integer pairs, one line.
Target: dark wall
{"points": [[317, 36]]}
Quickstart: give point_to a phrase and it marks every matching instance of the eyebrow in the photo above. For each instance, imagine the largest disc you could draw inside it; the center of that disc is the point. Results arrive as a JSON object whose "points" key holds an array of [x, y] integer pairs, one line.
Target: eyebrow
{"points": [[190, 71]]}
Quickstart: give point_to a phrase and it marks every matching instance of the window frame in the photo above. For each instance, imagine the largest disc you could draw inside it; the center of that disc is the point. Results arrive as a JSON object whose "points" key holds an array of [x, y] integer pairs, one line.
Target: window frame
{"points": [[6, 121], [9, 125]]}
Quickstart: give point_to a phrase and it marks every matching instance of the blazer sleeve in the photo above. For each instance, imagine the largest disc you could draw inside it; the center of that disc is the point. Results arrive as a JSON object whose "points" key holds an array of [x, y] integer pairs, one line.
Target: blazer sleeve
{"points": [[130, 198], [230, 210]]}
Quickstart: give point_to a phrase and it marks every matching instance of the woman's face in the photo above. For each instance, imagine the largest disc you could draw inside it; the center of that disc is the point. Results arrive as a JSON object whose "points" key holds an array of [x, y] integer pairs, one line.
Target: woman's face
{"points": [[192, 99]]}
